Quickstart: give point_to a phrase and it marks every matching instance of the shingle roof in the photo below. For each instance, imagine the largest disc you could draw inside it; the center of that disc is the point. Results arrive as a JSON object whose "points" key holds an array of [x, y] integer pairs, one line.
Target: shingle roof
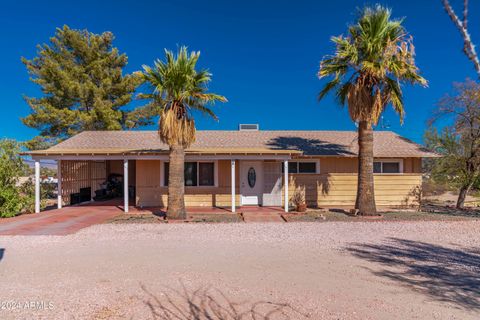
{"points": [[324, 143]]}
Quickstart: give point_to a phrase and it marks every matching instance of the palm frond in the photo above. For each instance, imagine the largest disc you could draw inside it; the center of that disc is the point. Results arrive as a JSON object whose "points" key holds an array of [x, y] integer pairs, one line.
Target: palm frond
{"points": [[370, 64], [328, 87], [177, 87]]}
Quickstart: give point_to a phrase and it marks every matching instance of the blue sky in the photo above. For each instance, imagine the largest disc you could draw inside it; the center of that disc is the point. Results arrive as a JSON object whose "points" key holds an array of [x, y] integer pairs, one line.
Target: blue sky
{"points": [[264, 55]]}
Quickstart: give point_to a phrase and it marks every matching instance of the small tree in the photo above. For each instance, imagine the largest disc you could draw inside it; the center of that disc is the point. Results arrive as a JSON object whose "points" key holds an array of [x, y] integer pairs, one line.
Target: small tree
{"points": [[12, 167], [81, 77], [459, 142]]}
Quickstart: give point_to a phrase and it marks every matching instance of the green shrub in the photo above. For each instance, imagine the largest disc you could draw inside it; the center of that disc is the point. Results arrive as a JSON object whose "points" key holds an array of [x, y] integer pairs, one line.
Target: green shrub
{"points": [[14, 198], [11, 202]]}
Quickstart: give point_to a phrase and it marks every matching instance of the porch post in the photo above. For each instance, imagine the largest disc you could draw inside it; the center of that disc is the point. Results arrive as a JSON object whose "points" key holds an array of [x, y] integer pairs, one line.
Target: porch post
{"points": [[125, 185], [37, 186], [233, 184], [285, 174], [59, 184]]}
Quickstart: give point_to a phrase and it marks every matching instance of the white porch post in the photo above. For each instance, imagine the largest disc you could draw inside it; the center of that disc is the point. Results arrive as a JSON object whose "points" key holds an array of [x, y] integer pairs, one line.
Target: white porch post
{"points": [[285, 174], [59, 184], [37, 186], [233, 184], [125, 185]]}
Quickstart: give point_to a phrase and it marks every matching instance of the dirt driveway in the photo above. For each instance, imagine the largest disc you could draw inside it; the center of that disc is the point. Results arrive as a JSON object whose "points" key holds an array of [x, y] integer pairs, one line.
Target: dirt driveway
{"points": [[376, 270]]}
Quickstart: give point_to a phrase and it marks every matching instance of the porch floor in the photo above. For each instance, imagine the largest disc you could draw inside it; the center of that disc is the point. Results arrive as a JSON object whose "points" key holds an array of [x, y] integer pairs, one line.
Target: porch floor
{"points": [[248, 213], [209, 210]]}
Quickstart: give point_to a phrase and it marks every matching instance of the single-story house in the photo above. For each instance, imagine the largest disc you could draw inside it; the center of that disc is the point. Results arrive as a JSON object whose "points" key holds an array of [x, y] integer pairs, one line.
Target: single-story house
{"points": [[237, 168]]}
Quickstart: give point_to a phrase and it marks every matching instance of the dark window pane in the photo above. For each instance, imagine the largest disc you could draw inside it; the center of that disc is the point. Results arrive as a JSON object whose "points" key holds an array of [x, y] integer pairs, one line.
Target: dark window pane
{"points": [[292, 167], [391, 167], [206, 174], [252, 177], [191, 173], [166, 171], [307, 167], [377, 167]]}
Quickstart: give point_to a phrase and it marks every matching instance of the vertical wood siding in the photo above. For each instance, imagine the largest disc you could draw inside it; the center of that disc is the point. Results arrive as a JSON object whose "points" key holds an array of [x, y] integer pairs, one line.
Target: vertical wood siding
{"points": [[81, 174]]}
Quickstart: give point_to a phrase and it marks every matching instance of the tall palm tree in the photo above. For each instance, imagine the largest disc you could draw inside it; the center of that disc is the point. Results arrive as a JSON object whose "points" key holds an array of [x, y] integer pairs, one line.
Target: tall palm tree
{"points": [[367, 70], [177, 89]]}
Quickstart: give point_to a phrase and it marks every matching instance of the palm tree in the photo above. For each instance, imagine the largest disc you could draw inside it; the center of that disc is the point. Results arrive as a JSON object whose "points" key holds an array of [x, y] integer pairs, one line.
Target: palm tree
{"points": [[367, 70], [177, 89]]}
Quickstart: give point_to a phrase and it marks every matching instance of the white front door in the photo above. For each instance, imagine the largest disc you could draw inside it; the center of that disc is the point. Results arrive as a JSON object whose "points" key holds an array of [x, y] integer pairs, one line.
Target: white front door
{"points": [[251, 182]]}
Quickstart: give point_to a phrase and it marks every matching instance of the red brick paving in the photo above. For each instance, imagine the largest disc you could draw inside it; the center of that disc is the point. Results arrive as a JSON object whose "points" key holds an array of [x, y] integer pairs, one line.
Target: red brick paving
{"points": [[59, 221], [69, 220], [262, 217], [262, 214]]}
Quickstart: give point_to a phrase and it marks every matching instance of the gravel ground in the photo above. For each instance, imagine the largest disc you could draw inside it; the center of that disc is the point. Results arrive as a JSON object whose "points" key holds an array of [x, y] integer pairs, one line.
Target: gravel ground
{"points": [[336, 270]]}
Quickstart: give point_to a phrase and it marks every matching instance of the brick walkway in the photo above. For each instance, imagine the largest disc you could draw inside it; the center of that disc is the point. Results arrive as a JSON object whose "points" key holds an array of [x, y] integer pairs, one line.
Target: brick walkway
{"points": [[71, 219], [59, 221], [261, 214]]}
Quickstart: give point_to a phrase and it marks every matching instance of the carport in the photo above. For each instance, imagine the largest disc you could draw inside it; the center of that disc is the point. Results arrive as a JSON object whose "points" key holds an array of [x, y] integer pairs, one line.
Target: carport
{"points": [[80, 176]]}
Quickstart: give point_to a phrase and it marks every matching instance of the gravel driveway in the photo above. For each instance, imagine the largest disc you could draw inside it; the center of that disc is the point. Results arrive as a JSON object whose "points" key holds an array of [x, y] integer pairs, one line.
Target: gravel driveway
{"points": [[374, 270]]}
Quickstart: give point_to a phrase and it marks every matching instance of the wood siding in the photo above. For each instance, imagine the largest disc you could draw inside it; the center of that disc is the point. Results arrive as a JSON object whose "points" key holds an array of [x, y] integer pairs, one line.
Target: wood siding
{"points": [[151, 193], [336, 185], [81, 174], [350, 165], [339, 189]]}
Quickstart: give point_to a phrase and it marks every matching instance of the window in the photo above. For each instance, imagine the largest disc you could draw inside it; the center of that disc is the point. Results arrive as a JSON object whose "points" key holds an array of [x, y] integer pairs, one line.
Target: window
{"points": [[307, 167], [387, 166], [206, 175], [292, 167], [190, 173], [302, 167], [195, 174]]}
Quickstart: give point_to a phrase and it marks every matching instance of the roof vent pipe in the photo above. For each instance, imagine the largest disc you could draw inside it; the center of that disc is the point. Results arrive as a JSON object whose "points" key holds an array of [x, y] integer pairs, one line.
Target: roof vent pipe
{"points": [[248, 127]]}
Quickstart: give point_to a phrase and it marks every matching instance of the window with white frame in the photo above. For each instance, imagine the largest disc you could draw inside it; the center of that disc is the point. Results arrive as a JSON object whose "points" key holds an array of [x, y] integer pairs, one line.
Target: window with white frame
{"points": [[303, 167], [196, 174], [387, 166]]}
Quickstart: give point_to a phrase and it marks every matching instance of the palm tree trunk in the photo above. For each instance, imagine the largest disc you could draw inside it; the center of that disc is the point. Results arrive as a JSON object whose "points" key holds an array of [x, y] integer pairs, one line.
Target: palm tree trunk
{"points": [[463, 195], [365, 202], [176, 183]]}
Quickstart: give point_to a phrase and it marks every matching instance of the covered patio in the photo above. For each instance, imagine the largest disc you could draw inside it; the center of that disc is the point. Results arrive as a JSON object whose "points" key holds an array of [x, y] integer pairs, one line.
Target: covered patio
{"points": [[82, 176]]}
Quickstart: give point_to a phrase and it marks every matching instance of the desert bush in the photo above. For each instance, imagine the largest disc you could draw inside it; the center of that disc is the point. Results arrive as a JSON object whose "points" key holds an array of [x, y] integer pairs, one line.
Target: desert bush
{"points": [[298, 197]]}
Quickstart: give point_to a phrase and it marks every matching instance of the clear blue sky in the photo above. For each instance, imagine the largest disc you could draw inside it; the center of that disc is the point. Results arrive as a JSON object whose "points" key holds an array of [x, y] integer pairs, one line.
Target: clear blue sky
{"points": [[264, 55]]}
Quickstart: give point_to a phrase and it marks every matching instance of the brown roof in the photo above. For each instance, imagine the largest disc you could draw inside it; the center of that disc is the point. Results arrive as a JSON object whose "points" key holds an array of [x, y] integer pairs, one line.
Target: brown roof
{"points": [[324, 143]]}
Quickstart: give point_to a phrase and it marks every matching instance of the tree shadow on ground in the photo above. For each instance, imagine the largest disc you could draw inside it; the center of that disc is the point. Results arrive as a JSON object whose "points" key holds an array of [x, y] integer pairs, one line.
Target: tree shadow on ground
{"points": [[212, 304], [444, 274]]}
